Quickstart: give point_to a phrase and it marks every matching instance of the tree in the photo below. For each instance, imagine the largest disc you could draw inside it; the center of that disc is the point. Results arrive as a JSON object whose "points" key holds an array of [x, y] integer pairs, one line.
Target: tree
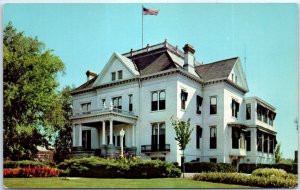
{"points": [[183, 135], [64, 137], [278, 153], [31, 102]]}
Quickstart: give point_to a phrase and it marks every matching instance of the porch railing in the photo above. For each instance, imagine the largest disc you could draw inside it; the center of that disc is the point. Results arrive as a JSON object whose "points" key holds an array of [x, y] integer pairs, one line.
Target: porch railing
{"points": [[155, 148], [104, 110]]}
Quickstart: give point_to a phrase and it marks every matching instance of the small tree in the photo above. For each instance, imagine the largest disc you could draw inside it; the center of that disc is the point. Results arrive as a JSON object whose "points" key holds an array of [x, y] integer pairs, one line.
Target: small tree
{"points": [[278, 153], [183, 135]]}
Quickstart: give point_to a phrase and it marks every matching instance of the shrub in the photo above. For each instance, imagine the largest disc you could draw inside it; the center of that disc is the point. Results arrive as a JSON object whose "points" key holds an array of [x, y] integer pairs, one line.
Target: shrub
{"points": [[27, 163], [117, 168], [269, 172], [36, 171], [249, 168], [197, 167], [249, 180]]}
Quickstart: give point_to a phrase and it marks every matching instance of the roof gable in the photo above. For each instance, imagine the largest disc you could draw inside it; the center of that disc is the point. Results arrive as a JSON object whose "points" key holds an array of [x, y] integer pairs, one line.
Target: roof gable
{"points": [[116, 63], [237, 75]]}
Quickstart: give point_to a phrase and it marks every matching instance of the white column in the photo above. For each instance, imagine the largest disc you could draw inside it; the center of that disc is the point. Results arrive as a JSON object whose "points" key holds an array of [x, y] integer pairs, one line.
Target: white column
{"points": [[110, 132], [103, 132], [133, 135], [73, 135], [80, 135]]}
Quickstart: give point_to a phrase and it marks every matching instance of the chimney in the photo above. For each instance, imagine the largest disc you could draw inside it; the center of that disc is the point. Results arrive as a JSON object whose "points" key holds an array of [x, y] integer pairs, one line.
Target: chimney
{"points": [[90, 75], [189, 59]]}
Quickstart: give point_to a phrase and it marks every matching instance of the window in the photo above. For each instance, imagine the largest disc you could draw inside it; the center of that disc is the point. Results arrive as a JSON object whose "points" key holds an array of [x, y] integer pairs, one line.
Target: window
{"points": [[86, 107], [266, 142], [236, 80], [259, 140], [117, 103], [213, 160], [199, 100], [259, 112], [248, 140], [198, 135], [235, 106], [271, 144], [265, 115], [235, 136], [158, 100], [130, 102], [271, 116], [120, 74], [213, 137], [158, 136], [86, 139], [113, 76], [104, 103], [184, 96], [232, 77], [213, 105], [242, 140], [248, 111]]}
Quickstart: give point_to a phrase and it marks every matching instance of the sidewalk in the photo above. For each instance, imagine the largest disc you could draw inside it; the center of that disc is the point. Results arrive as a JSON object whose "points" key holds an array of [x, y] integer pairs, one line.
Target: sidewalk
{"points": [[188, 175]]}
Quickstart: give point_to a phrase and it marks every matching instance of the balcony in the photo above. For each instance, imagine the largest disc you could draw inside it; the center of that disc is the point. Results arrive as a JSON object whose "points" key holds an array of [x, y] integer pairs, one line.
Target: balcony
{"points": [[155, 148], [104, 110]]}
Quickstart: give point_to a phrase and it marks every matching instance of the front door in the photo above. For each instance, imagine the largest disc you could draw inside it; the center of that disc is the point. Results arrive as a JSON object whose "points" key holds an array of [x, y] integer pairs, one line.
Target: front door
{"points": [[86, 139]]}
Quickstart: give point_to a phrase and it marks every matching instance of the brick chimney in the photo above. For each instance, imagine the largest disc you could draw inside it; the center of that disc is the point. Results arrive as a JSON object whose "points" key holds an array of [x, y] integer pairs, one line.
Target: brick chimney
{"points": [[189, 59], [90, 75]]}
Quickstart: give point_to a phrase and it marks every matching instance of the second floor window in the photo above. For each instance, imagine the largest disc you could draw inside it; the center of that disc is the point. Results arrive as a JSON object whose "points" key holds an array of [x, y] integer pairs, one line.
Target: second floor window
{"points": [[248, 111], [86, 107], [259, 112], [259, 140], [117, 102], [213, 137], [113, 76], [248, 140], [235, 106], [213, 105], [158, 101], [184, 96], [158, 139], [130, 102], [199, 100], [104, 103]]}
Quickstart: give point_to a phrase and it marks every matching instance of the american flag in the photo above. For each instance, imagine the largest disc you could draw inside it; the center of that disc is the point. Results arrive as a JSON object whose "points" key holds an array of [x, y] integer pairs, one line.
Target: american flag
{"points": [[149, 11]]}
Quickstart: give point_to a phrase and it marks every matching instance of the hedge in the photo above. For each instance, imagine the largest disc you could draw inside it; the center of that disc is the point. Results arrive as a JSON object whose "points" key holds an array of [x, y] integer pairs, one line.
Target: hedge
{"points": [[249, 180], [249, 168], [198, 167], [36, 171], [118, 168], [27, 163]]}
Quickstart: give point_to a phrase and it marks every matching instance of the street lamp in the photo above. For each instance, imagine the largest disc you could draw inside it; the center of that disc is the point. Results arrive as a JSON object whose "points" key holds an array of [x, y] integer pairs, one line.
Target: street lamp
{"points": [[122, 133]]}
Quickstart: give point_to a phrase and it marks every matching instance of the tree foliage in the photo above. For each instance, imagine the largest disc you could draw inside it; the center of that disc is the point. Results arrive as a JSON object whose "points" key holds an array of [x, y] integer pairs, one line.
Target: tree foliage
{"points": [[64, 137], [278, 153], [31, 101]]}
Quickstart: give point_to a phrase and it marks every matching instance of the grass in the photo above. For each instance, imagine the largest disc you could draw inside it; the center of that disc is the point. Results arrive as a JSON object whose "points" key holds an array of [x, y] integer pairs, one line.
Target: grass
{"points": [[55, 182]]}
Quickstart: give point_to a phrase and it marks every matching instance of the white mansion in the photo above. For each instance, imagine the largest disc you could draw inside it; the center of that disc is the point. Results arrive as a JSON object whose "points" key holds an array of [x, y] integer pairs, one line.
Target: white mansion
{"points": [[141, 90]]}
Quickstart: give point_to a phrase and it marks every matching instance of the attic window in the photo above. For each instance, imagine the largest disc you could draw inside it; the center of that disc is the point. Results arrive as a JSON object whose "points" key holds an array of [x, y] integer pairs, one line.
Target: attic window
{"points": [[236, 79], [120, 74], [113, 76]]}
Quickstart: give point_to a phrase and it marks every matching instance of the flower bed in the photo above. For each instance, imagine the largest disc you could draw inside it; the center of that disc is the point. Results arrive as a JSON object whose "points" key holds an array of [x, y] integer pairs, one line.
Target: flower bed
{"points": [[35, 171]]}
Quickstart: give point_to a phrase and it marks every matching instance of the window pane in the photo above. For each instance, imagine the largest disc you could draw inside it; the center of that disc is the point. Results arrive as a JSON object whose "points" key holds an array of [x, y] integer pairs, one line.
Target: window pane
{"points": [[120, 73], [154, 96], [162, 95], [113, 76], [213, 101]]}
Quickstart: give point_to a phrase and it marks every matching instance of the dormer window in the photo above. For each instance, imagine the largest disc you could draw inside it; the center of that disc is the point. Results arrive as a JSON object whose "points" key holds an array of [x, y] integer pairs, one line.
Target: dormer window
{"points": [[113, 76], [120, 74], [232, 77]]}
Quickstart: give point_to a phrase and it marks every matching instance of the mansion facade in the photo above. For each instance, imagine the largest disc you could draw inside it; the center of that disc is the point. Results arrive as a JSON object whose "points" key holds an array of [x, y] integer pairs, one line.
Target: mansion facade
{"points": [[141, 90]]}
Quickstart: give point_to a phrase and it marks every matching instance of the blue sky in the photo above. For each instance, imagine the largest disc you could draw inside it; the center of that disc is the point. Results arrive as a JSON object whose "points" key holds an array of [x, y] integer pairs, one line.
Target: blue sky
{"points": [[85, 35]]}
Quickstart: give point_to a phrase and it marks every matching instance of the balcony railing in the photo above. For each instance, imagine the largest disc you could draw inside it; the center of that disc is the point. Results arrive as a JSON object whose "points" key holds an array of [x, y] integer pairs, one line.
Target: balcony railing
{"points": [[104, 110], [155, 148]]}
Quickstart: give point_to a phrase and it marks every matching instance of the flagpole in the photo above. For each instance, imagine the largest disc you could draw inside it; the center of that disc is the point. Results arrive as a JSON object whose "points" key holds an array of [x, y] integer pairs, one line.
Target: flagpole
{"points": [[142, 26]]}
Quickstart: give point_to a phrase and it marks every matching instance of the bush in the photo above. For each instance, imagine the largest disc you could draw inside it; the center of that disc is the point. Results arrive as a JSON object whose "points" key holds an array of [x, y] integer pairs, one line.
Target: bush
{"points": [[269, 172], [249, 180], [36, 171], [27, 163], [118, 168], [198, 167], [249, 168]]}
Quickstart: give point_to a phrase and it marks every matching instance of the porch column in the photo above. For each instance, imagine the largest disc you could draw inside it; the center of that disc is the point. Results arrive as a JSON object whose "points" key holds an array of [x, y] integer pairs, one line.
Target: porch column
{"points": [[133, 135], [110, 132], [80, 135], [103, 132], [73, 135]]}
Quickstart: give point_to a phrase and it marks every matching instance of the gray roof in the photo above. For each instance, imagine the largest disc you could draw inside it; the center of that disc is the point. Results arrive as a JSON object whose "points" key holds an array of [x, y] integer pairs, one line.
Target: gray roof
{"points": [[216, 70]]}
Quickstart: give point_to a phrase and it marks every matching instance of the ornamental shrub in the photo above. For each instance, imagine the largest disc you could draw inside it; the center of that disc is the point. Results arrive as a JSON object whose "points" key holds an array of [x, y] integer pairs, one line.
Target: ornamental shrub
{"points": [[118, 168], [27, 163], [249, 168], [35, 171], [269, 172], [249, 180], [197, 167]]}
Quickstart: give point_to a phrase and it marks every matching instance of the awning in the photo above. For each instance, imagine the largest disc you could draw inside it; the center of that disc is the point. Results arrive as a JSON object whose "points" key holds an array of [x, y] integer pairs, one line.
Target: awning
{"points": [[238, 125]]}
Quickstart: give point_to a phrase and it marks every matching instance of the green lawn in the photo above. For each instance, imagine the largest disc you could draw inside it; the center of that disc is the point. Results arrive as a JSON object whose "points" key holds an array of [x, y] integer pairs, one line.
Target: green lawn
{"points": [[111, 183]]}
